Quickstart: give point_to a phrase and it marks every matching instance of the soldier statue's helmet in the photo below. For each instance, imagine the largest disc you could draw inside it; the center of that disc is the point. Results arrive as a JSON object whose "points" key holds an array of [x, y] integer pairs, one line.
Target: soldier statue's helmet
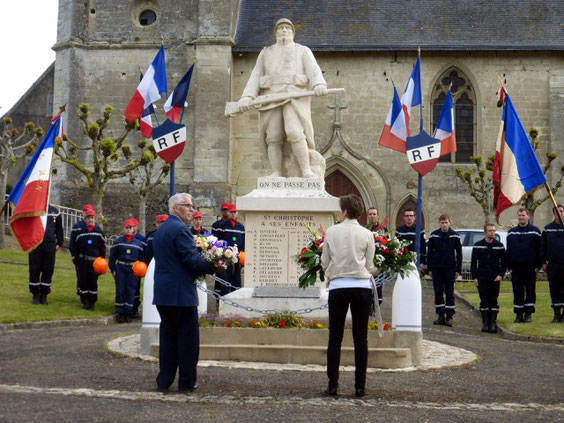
{"points": [[284, 21]]}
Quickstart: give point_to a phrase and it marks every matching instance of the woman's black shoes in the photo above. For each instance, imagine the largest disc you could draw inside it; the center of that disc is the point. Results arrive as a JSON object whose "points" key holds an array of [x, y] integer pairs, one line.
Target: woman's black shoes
{"points": [[359, 393], [330, 392]]}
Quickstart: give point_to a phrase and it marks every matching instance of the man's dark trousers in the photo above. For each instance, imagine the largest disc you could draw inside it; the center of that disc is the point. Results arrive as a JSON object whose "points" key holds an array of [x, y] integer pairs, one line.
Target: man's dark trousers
{"points": [[179, 339]]}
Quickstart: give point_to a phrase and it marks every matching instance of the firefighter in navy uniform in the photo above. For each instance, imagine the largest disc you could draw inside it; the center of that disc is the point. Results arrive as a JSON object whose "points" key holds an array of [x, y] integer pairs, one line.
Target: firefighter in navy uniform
{"points": [[553, 253], [148, 252], [524, 262], [143, 240], [407, 232], [77, 228], [234, 233], [488, 267], [42, 259], [444, 262], [126, 250], [87, 243], [216, 227], [197, 220]]}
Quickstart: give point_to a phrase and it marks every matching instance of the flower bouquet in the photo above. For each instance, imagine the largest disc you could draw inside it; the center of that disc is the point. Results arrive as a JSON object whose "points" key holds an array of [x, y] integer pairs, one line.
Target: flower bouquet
{"points": [[309, 259], [392, 254], [215, 251]]}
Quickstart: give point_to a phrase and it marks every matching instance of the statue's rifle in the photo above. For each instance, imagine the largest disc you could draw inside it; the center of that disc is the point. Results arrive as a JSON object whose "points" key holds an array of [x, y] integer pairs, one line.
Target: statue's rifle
{"points": [[232, 107]]}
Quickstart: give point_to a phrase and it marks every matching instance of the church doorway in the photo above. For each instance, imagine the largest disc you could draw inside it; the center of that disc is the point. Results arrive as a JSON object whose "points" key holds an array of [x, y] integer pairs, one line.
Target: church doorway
{"points": [[338, 184], [410, 203]]}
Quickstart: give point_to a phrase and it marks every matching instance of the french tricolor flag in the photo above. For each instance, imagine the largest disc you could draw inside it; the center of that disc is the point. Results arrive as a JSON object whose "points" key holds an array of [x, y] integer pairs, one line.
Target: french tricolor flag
{"points": [[445, 128], [30, 197], [146, 123], [516, 167], [149, 89], [177, 100], [412, 94], [395, 130]]}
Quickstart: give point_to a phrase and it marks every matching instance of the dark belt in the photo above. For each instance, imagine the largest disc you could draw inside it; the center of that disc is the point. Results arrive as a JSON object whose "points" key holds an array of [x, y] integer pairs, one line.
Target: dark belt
{"points": [[85, 257], [125, 263]]}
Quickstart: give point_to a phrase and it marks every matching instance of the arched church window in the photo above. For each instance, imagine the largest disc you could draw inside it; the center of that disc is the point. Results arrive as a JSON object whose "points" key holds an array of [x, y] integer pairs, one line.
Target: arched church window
{"points": [[464, 102], [338, 184]]}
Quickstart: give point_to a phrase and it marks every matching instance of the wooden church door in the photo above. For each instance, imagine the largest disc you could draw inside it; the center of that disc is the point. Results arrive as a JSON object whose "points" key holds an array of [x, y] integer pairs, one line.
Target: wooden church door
{"points": [[338, 184]]}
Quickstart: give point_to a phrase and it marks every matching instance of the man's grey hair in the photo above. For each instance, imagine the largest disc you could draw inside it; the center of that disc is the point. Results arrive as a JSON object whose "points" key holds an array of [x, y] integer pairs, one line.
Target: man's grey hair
{"points": [[177, 199]]}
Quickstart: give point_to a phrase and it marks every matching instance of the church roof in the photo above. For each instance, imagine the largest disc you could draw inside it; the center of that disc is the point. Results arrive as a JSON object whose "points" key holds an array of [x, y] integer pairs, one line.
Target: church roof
{"points": [[370, 25]]}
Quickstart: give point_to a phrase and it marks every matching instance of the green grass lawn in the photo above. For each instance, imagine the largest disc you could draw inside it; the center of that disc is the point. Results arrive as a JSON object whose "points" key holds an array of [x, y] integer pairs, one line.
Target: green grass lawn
{"points": [[540, 326], [15, 298]]}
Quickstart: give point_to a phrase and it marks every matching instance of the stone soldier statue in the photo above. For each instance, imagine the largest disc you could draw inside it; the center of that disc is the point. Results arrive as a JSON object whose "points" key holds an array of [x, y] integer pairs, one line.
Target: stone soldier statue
{"points": [[285, 125]]}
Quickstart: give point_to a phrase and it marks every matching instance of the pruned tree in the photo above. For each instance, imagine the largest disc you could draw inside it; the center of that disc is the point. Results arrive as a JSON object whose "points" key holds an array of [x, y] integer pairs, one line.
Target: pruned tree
{"points": [[534, 199], [146, 177], [14, 146], [97, 161], [481, 185]]}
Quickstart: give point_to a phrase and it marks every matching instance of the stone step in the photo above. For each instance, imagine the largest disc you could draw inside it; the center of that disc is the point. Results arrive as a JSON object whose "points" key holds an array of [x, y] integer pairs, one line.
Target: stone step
{"points": [[384, 358]]}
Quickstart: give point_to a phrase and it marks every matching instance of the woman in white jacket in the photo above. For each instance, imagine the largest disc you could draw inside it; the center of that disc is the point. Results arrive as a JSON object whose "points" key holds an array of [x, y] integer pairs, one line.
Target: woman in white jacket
{"points": [[348, 261]]}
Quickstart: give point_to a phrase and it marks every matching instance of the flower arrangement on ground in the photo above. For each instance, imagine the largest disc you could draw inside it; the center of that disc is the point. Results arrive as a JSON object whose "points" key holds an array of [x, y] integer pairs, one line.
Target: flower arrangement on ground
{"points": [[215, 251], [392, 254], [309, 259], [374, 326]]}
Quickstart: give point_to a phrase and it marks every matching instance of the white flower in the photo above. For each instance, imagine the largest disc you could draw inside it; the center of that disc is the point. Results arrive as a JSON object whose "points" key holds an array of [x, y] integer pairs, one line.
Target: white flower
{"points": [[228, 253], [211, 239]]}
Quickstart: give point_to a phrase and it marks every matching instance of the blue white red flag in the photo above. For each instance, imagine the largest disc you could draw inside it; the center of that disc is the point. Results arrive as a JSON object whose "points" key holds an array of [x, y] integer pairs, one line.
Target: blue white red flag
{"points": [[395, 130], [412, 94], [177, 100], [516, 167], [423, 152], [146, 123], [445, 128], [149, 89], [30, 197]]}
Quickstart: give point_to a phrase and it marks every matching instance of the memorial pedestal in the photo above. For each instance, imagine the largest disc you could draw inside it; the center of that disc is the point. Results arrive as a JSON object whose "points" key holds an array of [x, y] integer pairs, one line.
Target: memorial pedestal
{"points": [[275, 214]]}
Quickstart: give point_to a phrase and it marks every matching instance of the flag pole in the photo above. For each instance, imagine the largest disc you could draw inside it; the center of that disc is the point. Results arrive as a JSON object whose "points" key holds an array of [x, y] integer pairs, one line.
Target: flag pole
{"points": [[419, 190], [547, 187]]}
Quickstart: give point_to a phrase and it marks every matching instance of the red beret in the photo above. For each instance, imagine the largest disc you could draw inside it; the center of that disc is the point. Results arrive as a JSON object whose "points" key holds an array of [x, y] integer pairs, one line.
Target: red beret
{"points": [[198, 214], [87, 207], [134, 222], [89, 212], [128, 222], [225, 206], [232, 208], [161, 218]]}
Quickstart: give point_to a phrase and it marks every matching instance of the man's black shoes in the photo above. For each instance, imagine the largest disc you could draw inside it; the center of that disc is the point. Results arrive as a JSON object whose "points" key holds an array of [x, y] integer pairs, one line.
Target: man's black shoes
{"points": [[448, 321], [359, 393], [330, 392], [191, 389], [440, 320]]}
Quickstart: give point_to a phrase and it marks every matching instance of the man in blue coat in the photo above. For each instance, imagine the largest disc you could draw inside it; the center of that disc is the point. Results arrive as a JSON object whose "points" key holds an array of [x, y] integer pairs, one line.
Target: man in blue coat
{"points": [[177, 262]]}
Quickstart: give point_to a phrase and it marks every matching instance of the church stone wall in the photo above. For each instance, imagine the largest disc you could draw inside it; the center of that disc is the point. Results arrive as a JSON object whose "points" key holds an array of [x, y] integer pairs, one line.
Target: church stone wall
{"points": [[367, 76]]}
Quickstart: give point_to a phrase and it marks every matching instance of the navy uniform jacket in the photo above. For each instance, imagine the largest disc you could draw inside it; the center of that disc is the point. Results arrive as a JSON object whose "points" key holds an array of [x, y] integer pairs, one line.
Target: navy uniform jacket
{"points": [[234, 235], [553, 243], [177, 262], [54, 227], [407, 233], [202, 231], [124, 250], [488, 260], [217, 229], [91, 244], [148, 251], [444, 251], [524, 246]]}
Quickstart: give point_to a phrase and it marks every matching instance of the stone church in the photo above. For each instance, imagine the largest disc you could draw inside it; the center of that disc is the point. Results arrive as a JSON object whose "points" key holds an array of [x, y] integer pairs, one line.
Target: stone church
{"points": [[361, 46]]}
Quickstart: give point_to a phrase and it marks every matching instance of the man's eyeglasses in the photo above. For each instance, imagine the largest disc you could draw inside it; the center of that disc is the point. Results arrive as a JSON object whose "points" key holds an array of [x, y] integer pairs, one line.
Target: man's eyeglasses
{"points": [[190, 206]]}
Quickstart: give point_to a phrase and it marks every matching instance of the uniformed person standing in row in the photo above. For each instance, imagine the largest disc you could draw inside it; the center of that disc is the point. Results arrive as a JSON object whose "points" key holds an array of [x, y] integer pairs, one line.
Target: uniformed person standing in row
{"points": [[444, 261], [148, 252], [524, 262], [488, 267], [197, 220], [234, 233], [126, 250], [216, 227], [42, 259], [78, 227], [86, 245], [553, 253], [407, 232]]}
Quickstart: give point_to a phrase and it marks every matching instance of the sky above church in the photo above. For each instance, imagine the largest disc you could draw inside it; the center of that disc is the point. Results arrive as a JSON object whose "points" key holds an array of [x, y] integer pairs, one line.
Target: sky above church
{"points": [[27, 33]]}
